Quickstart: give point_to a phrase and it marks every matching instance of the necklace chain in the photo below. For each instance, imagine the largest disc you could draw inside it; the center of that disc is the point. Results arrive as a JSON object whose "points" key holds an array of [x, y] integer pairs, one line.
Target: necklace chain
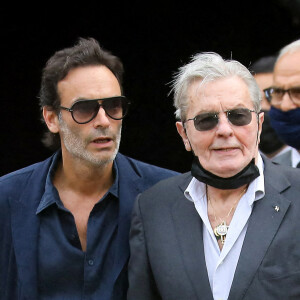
{"points": [[221, 230]]}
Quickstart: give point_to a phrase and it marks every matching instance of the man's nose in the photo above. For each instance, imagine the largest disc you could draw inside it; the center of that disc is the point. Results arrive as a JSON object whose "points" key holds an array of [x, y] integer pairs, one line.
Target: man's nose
{"points": [[224, 127], [101, 119]]}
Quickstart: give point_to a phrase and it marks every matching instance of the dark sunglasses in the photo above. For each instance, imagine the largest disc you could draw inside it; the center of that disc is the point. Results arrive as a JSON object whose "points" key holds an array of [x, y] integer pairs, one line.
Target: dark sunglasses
{"points": [[237, 117], [84, 111]]}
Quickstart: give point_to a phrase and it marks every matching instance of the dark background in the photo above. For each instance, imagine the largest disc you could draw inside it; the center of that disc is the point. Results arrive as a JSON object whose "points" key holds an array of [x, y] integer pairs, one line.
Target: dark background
{"points": [[152, 41]]}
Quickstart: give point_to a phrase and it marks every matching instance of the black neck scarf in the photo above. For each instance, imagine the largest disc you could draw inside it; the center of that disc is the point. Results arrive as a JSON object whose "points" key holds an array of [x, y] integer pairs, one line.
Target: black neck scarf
{"points": [[247, 175]]}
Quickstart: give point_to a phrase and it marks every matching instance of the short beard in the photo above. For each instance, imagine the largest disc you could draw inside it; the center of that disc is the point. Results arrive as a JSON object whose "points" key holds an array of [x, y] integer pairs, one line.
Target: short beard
{"points": [[75, 145]]}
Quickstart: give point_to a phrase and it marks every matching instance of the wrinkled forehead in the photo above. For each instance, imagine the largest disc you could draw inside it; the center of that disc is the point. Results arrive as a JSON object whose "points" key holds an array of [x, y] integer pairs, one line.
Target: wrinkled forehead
{"points": [[228, 92], [201, 88]]}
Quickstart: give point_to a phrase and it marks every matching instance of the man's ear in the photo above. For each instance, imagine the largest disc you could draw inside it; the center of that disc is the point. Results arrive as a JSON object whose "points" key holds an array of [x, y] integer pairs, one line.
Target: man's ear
{"points": [[260, 123], [182, 133], [51, 119]]}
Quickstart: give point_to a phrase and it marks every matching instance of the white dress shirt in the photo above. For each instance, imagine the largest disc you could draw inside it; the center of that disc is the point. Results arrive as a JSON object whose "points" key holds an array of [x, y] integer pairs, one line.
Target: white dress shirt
{"points": [[295, 157], [221, 265]]}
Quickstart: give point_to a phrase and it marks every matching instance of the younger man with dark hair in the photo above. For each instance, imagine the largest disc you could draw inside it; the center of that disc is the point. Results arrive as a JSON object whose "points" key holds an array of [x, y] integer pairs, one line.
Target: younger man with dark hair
{"points": [[64, 222]]}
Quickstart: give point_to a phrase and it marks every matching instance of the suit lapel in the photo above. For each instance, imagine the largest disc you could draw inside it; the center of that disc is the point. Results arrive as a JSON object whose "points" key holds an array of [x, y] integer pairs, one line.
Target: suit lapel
{"points": [[284, 159], [25, 229], [188, 226], [266, 217]]}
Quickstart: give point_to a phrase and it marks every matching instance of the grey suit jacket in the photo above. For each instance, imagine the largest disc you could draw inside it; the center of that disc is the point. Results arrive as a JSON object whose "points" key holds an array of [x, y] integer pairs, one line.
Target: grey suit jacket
{"points": [[284, 158], [167, 255]]}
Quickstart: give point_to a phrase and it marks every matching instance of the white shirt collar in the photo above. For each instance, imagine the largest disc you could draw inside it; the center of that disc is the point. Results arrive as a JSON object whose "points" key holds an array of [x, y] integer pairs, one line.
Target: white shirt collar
{"points": [[295, 157]]}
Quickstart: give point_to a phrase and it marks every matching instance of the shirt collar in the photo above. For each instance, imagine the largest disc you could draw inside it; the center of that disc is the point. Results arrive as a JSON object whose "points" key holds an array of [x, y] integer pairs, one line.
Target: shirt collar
{"points": [[256, 187], [295, 157], [51, 195]]}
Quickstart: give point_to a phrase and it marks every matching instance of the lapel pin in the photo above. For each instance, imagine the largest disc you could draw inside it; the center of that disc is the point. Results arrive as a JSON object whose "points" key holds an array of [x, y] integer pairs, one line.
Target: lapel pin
{"points": [[276, 208]]}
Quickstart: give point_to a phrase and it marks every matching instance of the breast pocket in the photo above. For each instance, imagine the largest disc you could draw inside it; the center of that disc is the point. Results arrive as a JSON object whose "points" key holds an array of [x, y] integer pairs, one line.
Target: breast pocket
{"points": [[282, 260]]}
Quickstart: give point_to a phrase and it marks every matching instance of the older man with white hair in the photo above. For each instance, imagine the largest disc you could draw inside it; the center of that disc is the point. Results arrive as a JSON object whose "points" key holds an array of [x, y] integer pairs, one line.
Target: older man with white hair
{"points": [[227, 229]]}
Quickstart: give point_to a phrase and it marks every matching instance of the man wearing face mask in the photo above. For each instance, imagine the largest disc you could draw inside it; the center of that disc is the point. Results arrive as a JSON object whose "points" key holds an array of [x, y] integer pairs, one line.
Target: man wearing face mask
{"points": [[227, 229], [270, 144], [284, 97]]}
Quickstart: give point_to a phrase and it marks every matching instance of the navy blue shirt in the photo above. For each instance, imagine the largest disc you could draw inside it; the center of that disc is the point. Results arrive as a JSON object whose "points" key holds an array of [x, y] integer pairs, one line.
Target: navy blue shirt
{"points": [[64, 270]]}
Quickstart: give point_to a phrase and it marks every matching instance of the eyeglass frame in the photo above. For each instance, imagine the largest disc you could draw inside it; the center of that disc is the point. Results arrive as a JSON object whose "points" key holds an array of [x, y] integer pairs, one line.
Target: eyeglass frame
{"points": [[267, 93], [69, 109], [216, 114]]}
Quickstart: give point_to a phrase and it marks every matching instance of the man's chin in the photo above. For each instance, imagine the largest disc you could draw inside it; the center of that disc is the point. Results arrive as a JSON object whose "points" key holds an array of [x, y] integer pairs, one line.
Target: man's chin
{"points": [[102, 159]]}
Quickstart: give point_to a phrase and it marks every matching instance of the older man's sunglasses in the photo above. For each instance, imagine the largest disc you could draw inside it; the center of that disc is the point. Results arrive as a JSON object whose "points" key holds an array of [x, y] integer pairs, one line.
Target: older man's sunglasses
{"points": [[84, 111], [208, 121]]}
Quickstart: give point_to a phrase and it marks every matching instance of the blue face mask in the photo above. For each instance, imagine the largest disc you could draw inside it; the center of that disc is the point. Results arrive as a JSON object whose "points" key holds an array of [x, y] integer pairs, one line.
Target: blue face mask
{"points": [[269, 140], [287, 125]]}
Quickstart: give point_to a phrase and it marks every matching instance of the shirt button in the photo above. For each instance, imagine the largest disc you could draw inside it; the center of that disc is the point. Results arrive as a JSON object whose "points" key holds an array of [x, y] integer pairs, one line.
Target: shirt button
{"points": [[91, 262]]}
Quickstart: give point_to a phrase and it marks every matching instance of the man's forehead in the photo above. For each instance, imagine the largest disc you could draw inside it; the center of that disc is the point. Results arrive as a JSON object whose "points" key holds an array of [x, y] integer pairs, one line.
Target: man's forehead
{"points": [[287, 70], [201, 88], [228, 93], [89, 82], [289, 63]]}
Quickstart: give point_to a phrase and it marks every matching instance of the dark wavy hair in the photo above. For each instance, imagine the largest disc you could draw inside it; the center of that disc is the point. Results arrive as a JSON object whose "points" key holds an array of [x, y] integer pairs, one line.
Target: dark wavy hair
{"points": [[86, 52]]}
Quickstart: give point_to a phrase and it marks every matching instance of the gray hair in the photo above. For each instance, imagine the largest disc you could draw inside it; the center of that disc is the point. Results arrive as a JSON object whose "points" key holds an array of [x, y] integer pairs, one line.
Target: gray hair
{"points": [[290, 48], [207, 67]]}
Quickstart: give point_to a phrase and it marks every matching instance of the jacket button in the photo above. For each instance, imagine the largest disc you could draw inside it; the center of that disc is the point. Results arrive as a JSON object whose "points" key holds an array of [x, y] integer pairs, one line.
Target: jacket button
{"points": [[91, 262]]}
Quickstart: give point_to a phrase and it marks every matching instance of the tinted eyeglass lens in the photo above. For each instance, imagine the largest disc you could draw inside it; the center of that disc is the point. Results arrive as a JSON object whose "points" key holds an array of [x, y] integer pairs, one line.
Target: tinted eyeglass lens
{"points": [[115, 108], [276, 95], [295, 94], [84, 111], [205, 121], [239, 117]]}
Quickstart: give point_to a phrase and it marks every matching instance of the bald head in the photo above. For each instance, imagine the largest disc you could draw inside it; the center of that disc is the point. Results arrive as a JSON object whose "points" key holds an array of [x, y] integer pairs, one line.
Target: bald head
{"points": [[287, 75]]}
